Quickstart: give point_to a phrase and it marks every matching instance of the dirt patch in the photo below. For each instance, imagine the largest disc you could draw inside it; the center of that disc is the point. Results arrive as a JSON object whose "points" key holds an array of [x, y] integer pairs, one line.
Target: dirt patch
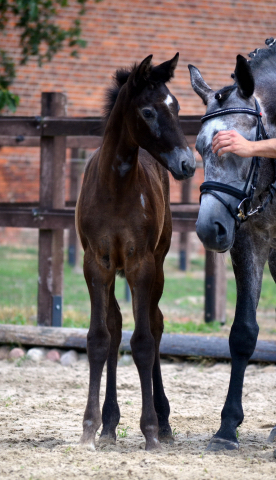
{"points": [[41, 411]]}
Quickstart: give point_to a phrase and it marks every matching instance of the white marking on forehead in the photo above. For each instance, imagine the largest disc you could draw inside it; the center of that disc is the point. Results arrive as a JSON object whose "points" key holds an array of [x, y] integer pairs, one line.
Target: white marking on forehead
{"points": [[168, 100]]}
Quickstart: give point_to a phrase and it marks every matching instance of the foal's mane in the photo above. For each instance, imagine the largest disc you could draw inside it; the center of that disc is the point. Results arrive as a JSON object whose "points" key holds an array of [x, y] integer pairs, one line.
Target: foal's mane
{"points": [[152, 77], [119, 79]]}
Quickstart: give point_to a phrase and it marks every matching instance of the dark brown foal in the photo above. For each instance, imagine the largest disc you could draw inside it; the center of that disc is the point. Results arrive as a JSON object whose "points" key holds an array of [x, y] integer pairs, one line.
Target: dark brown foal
{"points": [[124, 222]]}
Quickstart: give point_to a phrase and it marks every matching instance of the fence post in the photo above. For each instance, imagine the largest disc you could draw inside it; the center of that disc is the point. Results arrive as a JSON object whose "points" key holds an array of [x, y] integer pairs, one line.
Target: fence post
{"points": [[215, 287], [51, 195], [184, 243]]}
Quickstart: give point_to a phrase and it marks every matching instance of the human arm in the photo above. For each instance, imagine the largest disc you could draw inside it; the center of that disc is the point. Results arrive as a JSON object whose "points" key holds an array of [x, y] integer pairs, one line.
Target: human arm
{"points": [[231, 141]]}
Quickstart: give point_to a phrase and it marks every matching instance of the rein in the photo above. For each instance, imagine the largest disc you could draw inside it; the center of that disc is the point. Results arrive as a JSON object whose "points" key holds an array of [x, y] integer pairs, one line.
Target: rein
{"points": [[244, 210]]}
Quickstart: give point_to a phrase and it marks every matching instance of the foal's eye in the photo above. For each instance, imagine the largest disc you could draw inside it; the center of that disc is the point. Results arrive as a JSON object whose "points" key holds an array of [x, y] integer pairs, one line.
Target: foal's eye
{"points": [[147, 113]]}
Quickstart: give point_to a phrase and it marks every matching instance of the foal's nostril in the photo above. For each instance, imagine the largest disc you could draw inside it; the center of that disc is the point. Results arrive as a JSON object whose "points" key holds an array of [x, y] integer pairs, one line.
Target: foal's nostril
{"points": [[186, 169], [221, 230]]}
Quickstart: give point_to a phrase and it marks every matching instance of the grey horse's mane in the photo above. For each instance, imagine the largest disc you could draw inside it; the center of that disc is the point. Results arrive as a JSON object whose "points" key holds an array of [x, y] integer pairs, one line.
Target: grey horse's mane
{"points": [[260, 55]]}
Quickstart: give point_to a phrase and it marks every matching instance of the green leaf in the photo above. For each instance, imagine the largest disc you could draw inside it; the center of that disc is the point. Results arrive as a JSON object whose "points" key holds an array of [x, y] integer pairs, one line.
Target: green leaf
{"points": [[41, 36]]}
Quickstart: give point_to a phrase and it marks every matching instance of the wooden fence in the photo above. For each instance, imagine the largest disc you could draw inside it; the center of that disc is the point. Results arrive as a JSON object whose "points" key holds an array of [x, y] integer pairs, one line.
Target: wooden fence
{"points": [[54, 132]]}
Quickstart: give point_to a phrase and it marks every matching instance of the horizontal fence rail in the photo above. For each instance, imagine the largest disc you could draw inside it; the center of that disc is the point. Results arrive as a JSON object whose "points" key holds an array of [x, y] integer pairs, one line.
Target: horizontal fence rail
{"points": [[76, 126], [19, 215]]}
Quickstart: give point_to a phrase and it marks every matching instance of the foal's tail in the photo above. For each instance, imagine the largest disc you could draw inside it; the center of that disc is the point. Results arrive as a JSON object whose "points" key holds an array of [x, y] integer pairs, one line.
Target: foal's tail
{"points": [[89, 160]]}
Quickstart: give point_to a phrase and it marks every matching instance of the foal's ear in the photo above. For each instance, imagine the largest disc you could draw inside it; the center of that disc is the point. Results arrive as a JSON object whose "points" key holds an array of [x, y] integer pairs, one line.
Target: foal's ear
{"points": [[244, 77], [199, 85], [143, 71], [165, 71]]}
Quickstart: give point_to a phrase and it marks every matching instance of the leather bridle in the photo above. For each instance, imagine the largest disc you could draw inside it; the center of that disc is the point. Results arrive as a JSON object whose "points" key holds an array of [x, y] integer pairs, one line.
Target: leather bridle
{"points": [[243, 210]]}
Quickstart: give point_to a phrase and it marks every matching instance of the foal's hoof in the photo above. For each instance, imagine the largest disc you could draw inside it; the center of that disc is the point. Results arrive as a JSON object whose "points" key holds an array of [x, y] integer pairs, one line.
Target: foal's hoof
{"points": [[105, 440], [218, 444], [272, 435], [153, 444], [166, 438]]}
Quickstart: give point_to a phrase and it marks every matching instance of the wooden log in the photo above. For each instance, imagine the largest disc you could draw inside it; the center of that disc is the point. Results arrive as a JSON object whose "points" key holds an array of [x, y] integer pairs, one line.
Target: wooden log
{"points": [[171, 344]]}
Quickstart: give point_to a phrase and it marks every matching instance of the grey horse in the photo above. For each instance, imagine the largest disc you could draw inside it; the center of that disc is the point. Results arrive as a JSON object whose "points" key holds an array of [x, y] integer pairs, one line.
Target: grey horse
{"points": [[237, 210]]}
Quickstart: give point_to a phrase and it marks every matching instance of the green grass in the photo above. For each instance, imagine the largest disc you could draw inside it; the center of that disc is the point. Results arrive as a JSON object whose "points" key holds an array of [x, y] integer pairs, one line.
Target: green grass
{"points": [[182, 302], [191, 327]]}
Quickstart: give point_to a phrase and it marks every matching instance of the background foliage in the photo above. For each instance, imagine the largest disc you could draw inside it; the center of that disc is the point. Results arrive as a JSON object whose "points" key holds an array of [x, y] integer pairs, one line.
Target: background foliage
{"points": [[41, 36]]}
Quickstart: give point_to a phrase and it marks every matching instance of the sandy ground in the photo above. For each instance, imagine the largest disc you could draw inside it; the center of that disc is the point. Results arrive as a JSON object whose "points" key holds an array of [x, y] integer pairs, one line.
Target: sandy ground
{"points": [[41, 410]]}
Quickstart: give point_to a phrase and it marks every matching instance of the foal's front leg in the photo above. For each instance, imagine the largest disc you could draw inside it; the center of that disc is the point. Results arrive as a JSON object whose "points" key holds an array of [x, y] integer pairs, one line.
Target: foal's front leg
{"points": [[98, 342], [143, 346], [248, 257], [161, 403]]}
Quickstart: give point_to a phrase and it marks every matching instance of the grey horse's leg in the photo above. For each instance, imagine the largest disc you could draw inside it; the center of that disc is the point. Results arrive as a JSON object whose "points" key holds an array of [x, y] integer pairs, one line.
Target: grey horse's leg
{"points": [[111, 411], [249, 255], [272, 268]]}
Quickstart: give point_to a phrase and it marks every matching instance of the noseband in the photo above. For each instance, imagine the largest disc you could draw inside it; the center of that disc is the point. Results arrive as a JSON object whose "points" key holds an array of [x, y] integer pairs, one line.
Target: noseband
{"points": [[245, 196]]}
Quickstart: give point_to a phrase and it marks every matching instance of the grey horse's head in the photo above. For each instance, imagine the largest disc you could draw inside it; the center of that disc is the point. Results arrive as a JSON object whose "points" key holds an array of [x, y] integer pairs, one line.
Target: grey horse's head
{"points": [[215, 225]]}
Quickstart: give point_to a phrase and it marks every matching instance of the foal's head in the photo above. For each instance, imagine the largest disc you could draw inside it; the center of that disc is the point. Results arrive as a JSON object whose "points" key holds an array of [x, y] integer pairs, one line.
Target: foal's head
{"points": [[150, 113], [215, 224]]}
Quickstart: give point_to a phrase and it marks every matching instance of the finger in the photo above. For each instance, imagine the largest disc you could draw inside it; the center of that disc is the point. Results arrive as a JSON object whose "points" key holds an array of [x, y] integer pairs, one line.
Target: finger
{"points": [[222, 133], [224, 150], [221, 136], [221, 144]]}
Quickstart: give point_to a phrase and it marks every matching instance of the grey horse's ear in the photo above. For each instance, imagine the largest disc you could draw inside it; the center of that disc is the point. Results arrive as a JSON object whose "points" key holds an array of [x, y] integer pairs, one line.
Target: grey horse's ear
{"points": [[143, 71], [244, 77], [199, 85]]}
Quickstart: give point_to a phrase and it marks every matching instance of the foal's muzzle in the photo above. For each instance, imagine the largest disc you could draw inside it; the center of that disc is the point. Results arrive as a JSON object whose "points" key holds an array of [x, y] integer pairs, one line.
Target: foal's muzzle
{"points": [[180, 162]]}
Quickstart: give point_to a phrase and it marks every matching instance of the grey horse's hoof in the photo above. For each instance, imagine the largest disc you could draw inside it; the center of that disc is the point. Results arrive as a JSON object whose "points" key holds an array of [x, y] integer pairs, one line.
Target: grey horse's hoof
{"points": [[272, 435], [218, 444]]}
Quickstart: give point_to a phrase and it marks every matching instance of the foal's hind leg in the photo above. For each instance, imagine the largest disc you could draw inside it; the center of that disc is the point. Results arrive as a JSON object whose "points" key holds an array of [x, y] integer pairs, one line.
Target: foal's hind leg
{"points": [[111, 411], [98, 341], [272, 268], [161, 402], [249, 254]]}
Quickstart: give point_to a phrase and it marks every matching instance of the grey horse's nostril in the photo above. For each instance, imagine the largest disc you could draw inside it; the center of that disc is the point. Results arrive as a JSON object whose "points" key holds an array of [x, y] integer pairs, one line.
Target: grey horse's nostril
{"points": [[221, 230]]}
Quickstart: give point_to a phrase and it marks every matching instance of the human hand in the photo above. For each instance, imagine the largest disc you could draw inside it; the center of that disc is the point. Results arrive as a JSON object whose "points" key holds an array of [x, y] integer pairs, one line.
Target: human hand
{"points": [[231, 141]]}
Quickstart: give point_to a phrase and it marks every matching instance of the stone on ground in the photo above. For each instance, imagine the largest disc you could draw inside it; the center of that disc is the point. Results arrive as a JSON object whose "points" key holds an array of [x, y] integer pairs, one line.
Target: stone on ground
{"points": [[53, 355], [16, 353], [36, 354], [69, 358]]}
